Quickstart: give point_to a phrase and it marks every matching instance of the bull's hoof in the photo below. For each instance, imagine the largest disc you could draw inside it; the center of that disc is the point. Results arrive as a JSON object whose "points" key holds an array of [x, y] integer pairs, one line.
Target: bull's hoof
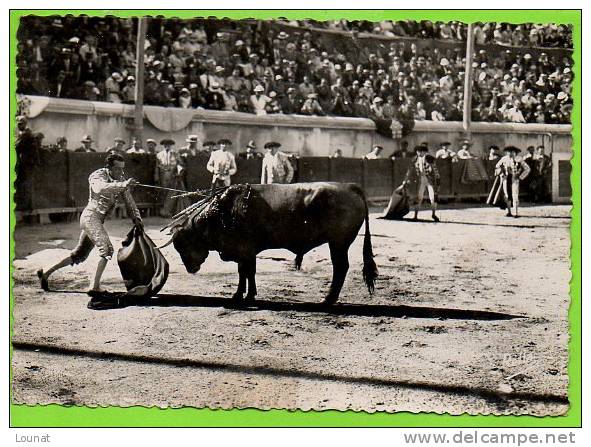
{"points": [[250, 298], [329, 301], [238, 297]]}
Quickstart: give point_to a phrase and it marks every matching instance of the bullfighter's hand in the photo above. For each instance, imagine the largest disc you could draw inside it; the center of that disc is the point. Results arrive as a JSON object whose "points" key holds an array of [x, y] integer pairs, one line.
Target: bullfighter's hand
{"points": [[131, 182], [138, 223]]}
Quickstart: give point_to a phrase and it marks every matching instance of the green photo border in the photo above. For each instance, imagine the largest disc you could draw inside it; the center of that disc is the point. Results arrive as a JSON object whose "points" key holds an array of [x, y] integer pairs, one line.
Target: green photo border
{"points": [[60, 416]]}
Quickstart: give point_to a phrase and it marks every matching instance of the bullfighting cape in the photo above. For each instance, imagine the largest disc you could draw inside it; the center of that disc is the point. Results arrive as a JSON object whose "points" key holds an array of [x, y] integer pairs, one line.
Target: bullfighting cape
{"points": [[399, 206], [143, 268]]}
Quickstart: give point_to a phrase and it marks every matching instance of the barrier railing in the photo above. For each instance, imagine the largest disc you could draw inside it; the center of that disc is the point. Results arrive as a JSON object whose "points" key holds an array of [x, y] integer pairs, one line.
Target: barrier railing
{"points": [[60, 181]]}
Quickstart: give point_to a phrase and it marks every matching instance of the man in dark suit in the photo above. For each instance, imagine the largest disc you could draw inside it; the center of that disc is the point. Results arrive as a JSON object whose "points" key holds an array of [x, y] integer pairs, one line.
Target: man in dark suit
{"points": [[424, 174], [86, 145], [251, 152]]}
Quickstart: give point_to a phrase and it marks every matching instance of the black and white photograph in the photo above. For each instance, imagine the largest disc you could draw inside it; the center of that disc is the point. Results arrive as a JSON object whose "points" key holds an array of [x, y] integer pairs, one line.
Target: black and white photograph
{"points": [[292, 214]]}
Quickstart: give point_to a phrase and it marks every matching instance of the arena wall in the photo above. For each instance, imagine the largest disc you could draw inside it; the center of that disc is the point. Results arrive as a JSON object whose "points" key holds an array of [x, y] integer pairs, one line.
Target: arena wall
{"points": [[307, 136]]}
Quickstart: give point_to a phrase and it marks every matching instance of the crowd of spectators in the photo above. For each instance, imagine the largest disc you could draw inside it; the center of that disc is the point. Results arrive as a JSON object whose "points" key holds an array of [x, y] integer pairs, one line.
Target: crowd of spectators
{"points": [[249, 66], [522, 35]]}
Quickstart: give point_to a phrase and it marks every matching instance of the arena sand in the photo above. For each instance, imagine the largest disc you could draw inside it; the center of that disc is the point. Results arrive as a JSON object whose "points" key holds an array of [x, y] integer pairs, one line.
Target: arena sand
{"points": [[469, 315]]}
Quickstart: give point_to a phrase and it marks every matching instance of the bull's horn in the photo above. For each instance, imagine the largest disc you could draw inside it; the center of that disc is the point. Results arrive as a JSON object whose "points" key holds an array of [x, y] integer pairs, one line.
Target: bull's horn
{"points": [[167, 244]]}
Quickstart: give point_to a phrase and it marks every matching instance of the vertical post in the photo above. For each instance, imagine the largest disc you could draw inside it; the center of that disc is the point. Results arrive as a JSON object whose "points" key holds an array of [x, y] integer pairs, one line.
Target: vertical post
{"points": [[139, 78], [468, 80]]}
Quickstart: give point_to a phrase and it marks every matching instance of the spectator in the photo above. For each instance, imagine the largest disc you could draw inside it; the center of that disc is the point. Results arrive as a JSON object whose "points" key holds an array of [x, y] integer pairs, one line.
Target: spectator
{"points": [[128, 91], [273, 105], [86, 144], [191, 148], [113, 89], [90, 92], [311, 106], [423, 81], [376, 110], [493, 153], [222, 165], [375, 153], [258, 101], [61, 88], [185, 98], [420, 112], [464, 152], [276, 166], [291, 103], [118, 146], [337, 154], [214, 98], [151, 146], [165, 174], [61, 144], [136, 147], [445, 151], [251, 152]]}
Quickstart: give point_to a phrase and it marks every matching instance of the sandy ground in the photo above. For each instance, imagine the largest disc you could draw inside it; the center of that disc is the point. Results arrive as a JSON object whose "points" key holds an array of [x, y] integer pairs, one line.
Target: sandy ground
{"points": [[469, 315]]}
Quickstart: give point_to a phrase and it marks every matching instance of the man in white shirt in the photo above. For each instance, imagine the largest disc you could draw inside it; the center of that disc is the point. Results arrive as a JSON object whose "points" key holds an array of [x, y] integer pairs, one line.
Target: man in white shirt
{"points": [[166, 169], [514, 114], [258, 101], [276, 166], [222, 165]]}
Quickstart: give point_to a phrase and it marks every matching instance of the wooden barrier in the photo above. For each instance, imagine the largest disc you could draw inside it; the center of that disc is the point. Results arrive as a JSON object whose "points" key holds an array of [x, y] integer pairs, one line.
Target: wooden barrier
{"points": [[446, 190], [198, 177], [377, 179], [346, 170], [49, 182], [465, 190], [80, 166], [249, 171], [311, 169]]}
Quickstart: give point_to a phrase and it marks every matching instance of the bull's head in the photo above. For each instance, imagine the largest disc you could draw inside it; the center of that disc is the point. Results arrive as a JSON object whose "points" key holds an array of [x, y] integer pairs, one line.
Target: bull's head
{"points": [[190, 240], [195, 235]]}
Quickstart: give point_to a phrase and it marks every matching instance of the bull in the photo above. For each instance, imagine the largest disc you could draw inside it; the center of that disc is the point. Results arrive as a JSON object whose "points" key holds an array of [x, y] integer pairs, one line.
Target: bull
{"points": [[244, 220]]}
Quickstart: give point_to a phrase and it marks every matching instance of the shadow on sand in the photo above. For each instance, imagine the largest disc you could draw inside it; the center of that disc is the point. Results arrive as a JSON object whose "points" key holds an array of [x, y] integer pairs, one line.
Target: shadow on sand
{"points": [[220, 366], [361, 310]]}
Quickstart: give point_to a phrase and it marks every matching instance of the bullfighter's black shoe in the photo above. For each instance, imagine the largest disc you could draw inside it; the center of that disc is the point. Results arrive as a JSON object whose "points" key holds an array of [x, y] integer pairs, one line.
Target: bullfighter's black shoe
{"points": [[43, 280]]}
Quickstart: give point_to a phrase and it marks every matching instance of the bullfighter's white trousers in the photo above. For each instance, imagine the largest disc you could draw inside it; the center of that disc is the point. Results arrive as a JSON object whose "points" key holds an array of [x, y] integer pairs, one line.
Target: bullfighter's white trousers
{"points": [[424, 183]]}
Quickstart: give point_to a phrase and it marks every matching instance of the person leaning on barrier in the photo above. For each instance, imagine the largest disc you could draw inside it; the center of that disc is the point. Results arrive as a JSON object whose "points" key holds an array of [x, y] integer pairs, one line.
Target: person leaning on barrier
{"points": [[151, 146], [493, 153], [512, 170], [276, 167], [424, 174], [86, 145], [135, 148], [106, 188], [118, 146], [251, 152], [445, 151], [222, 165], [375, 153], [541, 168], [190, 149], [464, 152], [208, 147]]}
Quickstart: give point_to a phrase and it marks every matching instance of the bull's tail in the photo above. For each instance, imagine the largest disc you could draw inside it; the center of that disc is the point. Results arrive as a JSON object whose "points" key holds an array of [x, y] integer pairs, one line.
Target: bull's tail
{"points": [[370, 269]]}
